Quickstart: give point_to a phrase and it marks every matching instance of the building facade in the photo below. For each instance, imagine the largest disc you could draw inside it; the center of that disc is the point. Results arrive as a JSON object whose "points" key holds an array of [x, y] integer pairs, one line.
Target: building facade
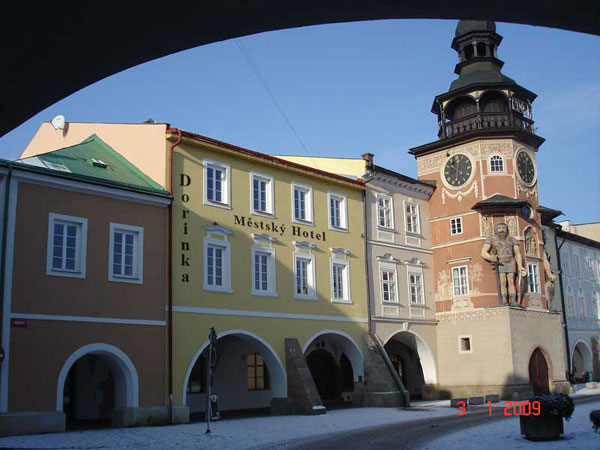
{"points": [[84, 285], [580, 272], [485, 170]]}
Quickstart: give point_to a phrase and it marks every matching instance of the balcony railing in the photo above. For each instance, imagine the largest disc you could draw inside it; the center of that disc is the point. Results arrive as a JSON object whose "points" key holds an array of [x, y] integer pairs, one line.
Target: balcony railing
{"points": [[479, 121]]}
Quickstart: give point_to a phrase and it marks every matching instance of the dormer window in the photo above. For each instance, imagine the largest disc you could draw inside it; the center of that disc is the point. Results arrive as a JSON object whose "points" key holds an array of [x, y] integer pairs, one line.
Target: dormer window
{"points": [[99, 163]]}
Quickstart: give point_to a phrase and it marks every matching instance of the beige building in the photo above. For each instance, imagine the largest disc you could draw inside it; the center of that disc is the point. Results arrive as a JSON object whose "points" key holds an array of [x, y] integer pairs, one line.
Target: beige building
{"points": [[84, 288]]}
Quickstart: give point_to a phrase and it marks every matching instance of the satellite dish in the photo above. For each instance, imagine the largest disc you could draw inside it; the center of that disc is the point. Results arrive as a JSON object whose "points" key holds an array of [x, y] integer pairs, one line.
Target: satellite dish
{"points": [[58, 123]]}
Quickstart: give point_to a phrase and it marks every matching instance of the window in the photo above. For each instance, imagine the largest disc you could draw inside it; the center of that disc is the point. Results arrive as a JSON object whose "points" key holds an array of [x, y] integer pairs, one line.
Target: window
{"points": [[389, 291], [460, 280], [263, 271], [456, 226], [67, 241], [597, 307], [385, 211], [126, 253], [581, 305], [576, 263], [415, 286], [533, 278], [217, 259], [340, 280], [302, 203], [304, 276], [565, 263], [464, 344], [411, 217], [258, 375], [216, 184], [197, 381], [571, 306], [496, 164], [337, 212], [261, 191], [590, 265]]}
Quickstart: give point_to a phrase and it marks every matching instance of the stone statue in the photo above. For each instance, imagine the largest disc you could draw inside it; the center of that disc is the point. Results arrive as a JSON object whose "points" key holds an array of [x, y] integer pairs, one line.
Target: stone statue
{"points": [[503, 251], [550, 278]]}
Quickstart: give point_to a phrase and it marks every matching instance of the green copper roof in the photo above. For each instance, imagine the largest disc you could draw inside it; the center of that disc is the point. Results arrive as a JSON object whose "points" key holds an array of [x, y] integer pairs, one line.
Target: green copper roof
{"points": [[94, 160], [466, 26]]}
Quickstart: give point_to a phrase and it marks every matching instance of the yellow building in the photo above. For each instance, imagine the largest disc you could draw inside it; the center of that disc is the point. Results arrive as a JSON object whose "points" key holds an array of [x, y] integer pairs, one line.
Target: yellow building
{"points": [[263, 250]]}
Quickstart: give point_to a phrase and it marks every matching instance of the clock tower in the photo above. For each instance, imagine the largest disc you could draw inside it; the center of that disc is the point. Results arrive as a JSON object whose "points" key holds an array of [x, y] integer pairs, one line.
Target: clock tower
{"points": [[496, 334]]}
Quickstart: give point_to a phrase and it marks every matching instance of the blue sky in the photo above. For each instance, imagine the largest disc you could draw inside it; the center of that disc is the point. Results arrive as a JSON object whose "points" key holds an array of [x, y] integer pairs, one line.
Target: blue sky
{"points": [[357, 87]]}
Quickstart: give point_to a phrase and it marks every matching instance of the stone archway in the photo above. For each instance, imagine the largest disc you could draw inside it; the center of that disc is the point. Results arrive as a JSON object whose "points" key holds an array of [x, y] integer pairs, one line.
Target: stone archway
{"points": [[413, 359], [102, 370], [248, 373], [582, 362]]}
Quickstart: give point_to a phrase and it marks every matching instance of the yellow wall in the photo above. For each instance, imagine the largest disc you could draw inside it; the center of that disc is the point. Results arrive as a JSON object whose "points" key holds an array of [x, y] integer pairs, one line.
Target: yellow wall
{"points": [[341, 166], [191, 328]]}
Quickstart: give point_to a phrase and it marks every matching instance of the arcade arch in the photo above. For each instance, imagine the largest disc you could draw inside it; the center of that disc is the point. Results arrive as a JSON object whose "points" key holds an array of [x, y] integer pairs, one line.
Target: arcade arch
{"points": [[582, 361], [248, 373], [413, 359]]}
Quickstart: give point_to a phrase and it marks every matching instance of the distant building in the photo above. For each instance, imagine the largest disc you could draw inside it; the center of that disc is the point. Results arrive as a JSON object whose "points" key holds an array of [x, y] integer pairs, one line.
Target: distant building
{"points": [[84, 286], [589, 230]]}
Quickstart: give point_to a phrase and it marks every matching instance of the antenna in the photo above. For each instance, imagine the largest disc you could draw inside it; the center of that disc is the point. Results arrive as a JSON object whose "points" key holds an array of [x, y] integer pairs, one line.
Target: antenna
{"points": [[58, 123]]}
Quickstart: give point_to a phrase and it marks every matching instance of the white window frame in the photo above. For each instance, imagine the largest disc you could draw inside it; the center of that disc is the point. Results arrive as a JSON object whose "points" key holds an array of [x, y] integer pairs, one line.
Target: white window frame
{"points": [[138, 253], [269, 194], [339, 258], [81, 246], [226, 184], [412, 271], [384, 197], [308, 204], [417, 215], [343, 212], [388, 267], [312, 289], [491, 166], [221, 240], [470, 338], [533, 275], [456, 224], [271, 290], [466, 285]]}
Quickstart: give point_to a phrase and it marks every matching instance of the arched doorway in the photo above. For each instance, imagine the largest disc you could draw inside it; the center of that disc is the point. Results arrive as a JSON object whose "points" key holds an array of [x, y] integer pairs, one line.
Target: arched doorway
{"points": [[413, 360], [248, 375], [538, 373], [326, 375], [336, 363], [94, 381], [582, 362]]}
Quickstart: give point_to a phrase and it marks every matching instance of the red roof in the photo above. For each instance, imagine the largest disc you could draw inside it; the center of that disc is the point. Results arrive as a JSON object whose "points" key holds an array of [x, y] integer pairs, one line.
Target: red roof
{"points": [[266, 157]]}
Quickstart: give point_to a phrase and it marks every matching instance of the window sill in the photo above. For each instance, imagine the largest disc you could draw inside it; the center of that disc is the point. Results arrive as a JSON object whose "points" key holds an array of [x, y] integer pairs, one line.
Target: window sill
{"points": [[342, 302], [220, 290], [115, 279], [217, 204], [388, 229], [418, 305], [390, 303], [262, 214], [341, 230], [65, 274], [308, 223], [264, 294], [310, 298], [414, 234]]}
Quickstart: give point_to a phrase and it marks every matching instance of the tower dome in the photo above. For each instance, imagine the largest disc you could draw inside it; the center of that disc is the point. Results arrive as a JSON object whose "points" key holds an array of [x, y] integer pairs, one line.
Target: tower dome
{"points": [[467, 26]]}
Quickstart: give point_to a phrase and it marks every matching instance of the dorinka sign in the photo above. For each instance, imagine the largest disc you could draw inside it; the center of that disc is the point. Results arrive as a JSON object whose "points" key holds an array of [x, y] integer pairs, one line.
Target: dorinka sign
{"points": [[278, 228]]}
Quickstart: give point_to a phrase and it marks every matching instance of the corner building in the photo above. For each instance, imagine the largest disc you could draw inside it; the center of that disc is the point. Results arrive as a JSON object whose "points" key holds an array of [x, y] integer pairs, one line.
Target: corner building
{"points": [[484, 165], [271, 253]]}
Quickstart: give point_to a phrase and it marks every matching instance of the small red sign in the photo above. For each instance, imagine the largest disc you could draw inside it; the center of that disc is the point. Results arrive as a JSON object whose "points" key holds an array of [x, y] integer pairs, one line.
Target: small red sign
{"points": [[18, 323], [1, 355]]}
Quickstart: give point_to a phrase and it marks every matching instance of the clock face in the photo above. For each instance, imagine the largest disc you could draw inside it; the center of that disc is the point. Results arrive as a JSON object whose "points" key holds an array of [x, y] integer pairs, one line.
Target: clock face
{"points": [[525, 167], [458, 170]]}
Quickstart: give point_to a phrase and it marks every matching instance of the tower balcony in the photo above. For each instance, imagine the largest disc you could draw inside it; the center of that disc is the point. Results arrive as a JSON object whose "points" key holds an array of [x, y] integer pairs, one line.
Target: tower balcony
{"points": [[510, 120]]}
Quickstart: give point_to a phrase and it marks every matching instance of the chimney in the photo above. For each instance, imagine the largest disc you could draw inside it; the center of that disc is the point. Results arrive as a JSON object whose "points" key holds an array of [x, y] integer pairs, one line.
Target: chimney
{"points": [[368, 158]]}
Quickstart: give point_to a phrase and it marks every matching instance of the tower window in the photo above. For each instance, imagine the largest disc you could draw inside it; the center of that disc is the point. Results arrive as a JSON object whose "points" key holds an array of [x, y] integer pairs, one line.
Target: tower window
{"points": [[496, 163], [456, 226], [469, 51], [464, 344], [481, 50]]}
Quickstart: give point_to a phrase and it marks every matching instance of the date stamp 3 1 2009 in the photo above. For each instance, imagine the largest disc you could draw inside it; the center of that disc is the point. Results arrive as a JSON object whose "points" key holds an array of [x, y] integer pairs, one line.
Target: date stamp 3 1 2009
{"points": [[525, 408]]}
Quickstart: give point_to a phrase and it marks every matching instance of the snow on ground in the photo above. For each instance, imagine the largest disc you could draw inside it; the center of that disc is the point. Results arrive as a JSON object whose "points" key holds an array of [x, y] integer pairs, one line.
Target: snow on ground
{"points": [[260, 431], [226, 434], [505, 434]]}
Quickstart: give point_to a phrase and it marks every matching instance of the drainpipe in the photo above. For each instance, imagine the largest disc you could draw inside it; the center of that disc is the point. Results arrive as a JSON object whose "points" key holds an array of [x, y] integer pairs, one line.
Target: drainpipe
{"points": [[367, 278], [170, 275], [562, 300], [3, 260]]}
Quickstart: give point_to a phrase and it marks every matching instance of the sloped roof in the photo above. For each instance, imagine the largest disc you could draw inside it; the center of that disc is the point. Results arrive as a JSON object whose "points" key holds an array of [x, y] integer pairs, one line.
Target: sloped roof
{"points": [[499, 201], [94, 160]]}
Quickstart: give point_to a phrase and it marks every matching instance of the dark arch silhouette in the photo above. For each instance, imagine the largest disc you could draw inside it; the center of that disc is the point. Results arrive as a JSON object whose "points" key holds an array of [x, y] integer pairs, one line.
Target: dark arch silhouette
{"points": [[538, 373], [326, 374], [49, 51]]}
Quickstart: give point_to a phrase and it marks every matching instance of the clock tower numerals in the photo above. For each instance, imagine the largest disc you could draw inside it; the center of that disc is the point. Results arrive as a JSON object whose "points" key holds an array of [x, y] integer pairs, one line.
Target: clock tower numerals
{"points": [[457, 170], [525, 168]]}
